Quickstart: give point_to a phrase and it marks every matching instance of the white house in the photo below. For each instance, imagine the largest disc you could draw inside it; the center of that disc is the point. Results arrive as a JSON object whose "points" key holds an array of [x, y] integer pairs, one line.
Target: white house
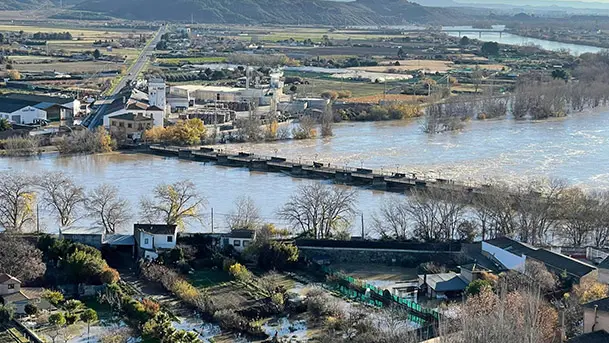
{"points": [[239, 239], [12, 294], [136, 108], [152, 239]]}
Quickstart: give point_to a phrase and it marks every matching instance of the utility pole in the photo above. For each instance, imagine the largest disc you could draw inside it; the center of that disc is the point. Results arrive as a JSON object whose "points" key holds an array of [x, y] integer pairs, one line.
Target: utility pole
{"points": [[212, 220], [37, 218], [363, 230]]}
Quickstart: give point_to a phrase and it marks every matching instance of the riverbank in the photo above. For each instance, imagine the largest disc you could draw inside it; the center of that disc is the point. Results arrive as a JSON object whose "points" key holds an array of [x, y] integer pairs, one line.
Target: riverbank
{"points": [[560, 37]]}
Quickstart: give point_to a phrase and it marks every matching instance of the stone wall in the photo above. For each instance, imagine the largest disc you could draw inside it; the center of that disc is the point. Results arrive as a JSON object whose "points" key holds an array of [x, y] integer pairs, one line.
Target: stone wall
{"points": [[405, 258]]}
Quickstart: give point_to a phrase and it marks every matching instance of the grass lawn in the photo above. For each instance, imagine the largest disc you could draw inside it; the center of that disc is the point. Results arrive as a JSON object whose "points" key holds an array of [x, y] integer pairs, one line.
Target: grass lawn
{"points": [[70, 67], [209, 278], [193, 60]]}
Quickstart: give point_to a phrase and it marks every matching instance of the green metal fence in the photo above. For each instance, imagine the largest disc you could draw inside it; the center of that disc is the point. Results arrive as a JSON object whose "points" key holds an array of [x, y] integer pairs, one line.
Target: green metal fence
{"points": [[357, 296]]}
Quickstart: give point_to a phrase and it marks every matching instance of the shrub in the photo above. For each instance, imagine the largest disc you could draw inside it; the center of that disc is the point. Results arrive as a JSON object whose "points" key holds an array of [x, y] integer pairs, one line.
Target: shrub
{"points": [[6, 314], [239, 272], [344, 94], [83, 266], [151, 307], [109, 276], [184, 290], [86, 141], [278, 300], [229, 319], [54, 297], [227, 263], [71, 318], [276, 255], [319, 304], [477, 286], [72, 305], [134, 309], [20, 146], [31, 309]]}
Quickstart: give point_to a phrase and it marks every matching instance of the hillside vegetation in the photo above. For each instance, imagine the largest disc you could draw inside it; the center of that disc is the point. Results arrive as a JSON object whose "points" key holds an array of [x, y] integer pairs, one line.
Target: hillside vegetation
{"points": [[360, 12]]}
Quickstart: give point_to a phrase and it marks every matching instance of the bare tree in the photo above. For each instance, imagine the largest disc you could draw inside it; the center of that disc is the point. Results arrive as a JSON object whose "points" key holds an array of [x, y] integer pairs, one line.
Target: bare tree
{"points": [[495, 212], [319, 211], [519, 317], [245, 216], [578, 213], [600, 231], [17, 202], [305, 128], [20, 258], [437, 215], [108, 209], [327, 119], [173, 204], [393, 219], [537, 205], [62, 196], [476, 78]]}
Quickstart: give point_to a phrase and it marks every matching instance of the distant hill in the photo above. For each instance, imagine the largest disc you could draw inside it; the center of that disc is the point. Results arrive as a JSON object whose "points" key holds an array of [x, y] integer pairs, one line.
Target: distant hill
{"points": [[360, 12], [6, 5]]}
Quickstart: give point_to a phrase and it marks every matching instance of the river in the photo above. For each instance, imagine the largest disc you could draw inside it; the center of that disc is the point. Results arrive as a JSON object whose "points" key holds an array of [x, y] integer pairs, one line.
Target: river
{"points": [[572, 148], [512, 39]]}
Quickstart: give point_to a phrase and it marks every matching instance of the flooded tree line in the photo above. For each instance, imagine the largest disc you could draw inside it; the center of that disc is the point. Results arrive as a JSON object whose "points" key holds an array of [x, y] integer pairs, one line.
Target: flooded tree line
{"points": [[535, 96], [537, 212]]}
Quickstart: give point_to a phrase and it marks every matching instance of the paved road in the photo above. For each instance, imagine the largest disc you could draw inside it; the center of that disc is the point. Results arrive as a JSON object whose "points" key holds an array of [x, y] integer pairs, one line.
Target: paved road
{"points": [[97, 118]]}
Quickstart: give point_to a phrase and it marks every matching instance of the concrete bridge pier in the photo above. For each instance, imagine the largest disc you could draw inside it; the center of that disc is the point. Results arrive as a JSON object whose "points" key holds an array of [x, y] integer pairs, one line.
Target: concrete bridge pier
{"points": [[297, 170], [259, 165], [344, 176], [379, 182], [185, 153]]}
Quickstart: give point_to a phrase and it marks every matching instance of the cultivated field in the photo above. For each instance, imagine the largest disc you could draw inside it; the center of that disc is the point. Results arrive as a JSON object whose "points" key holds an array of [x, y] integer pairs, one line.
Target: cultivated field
{"points": [[70, 67]]}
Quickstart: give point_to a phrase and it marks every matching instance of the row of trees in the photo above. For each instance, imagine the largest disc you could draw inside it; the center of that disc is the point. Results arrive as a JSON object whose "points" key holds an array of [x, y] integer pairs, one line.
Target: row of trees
{"points": [[534, 212], [57, 192], [189, 132]]}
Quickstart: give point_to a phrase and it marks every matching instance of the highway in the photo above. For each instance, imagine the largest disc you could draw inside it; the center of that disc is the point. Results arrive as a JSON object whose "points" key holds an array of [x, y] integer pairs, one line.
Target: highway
{"points": [[96, 118]]}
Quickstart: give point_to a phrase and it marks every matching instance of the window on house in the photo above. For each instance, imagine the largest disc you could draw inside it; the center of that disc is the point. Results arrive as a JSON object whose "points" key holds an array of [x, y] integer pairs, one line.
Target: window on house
{"points": [[121, 124], [140, 127], [146, 241], [246, 243], [129, 125], [11, 286], [169, 239], [113, 123], [236, 243]]}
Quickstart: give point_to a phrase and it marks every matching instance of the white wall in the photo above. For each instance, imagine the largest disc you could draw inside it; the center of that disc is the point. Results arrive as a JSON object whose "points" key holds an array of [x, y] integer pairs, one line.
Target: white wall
{"points": [[509, 260], [158, 116], [156, 94], [28, 115], [243, 243], [142, 240], [160, 241], [4, 290]]}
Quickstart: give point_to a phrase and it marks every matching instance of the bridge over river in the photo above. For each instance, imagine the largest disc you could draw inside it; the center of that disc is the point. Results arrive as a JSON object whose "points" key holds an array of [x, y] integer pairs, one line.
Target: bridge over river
{"points": [[380, 180]]}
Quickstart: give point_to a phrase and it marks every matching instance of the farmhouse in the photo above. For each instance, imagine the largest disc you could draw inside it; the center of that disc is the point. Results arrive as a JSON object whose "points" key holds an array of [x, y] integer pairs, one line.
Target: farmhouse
{"points": [[152, 239], [12, 294]]}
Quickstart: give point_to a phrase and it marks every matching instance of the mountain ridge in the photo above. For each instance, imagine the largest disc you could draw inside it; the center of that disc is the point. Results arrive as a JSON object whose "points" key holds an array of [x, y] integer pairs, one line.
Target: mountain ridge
{"points": [[359, 12]]}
